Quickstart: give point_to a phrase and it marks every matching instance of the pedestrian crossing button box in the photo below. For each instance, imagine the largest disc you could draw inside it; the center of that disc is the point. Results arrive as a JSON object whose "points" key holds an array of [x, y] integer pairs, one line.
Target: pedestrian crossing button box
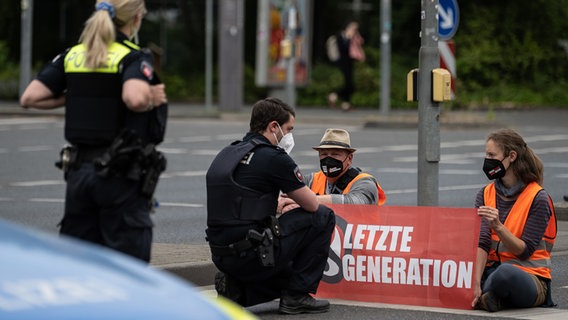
{"points": [[441, 85]]}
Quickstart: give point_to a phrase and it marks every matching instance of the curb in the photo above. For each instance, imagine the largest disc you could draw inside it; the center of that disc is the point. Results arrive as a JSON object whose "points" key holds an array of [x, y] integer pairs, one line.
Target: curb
{"points": [[561, 210]]}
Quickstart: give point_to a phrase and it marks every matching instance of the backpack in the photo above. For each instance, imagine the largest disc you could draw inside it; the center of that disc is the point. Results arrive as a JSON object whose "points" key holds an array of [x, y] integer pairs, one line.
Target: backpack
{"points": [[332, 49]]}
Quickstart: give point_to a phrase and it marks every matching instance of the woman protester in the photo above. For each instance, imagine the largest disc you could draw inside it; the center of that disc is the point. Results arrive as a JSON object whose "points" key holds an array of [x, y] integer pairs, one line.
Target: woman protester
{"points": [[518, 228]]}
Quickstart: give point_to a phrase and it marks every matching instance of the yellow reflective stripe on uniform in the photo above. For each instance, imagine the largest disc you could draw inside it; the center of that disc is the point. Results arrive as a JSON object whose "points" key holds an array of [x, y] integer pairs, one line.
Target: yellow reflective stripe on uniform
{"points": [[76, 57], [131, 44]]}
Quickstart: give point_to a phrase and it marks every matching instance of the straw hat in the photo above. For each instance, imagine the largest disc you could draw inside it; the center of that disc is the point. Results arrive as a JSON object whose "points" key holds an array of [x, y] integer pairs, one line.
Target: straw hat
{"points": [[335, 139]]}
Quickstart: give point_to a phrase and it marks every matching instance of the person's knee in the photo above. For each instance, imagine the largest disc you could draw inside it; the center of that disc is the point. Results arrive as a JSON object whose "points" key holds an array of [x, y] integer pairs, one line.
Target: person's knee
{"points": [[324, 217]]}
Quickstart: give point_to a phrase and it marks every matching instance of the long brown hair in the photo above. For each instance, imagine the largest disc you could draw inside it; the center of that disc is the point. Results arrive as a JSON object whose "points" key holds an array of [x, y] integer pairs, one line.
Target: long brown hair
{"points": [[527, 167]]}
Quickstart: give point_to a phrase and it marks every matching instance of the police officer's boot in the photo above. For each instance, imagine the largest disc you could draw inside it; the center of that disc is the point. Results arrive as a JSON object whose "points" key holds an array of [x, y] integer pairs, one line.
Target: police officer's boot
{"points": [[295, 303], [228, 287]]}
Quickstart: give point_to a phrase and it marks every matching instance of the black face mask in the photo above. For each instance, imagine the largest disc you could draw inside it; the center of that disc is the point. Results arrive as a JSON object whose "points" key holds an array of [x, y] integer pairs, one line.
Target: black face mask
{"points": [[331, 167], [493, 169]]}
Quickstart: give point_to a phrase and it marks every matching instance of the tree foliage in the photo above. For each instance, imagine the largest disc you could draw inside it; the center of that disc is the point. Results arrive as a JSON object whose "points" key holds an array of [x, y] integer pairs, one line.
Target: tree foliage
{"points": [[506, 51]]}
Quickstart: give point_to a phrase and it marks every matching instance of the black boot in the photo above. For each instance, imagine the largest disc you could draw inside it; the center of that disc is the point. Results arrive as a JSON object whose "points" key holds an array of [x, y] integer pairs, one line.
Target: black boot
{"points": [[228, 287], [302, 303]]}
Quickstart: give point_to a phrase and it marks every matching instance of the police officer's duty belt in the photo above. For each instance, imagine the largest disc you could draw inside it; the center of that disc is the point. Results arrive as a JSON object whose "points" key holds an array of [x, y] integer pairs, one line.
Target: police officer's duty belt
{"points": [[233, 249]]}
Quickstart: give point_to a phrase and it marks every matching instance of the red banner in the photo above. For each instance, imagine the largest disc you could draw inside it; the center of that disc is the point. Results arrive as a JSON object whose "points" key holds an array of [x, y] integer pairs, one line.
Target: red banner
{"points": [[421, 256]]}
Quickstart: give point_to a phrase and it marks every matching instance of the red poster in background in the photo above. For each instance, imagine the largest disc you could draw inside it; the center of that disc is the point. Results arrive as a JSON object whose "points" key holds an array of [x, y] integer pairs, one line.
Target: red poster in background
{"points": [[421, 256]]}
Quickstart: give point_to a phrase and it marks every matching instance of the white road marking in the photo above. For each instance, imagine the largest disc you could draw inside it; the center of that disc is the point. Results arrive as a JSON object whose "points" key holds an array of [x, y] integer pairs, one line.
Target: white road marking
{"points": [[195, 139], [173, 150], [197, 173], [25, 121], [556, 164], [161, 204], [205, 152], [178, 204], [448, 188], [51, 200], [230, 136], [35, 148], [37, 183]]}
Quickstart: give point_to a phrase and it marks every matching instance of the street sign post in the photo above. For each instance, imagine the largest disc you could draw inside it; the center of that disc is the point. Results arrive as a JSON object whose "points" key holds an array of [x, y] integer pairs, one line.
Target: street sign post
{"points": [[448, 18]]}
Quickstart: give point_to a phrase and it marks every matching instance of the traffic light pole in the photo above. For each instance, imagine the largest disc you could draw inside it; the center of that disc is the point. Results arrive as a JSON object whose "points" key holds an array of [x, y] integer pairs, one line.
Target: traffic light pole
{"points": [[428, 110]]}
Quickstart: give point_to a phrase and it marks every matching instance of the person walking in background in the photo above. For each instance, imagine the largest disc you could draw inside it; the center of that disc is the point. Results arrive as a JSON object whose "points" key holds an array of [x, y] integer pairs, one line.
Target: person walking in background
{"points": [[260, 257], [338, 181], [349, 43], [115, 115], [518, 228]]}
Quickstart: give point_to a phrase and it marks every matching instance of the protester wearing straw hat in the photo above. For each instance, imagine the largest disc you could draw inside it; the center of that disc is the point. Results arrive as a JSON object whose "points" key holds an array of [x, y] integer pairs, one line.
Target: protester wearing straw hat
{"points": [[338, 181]]}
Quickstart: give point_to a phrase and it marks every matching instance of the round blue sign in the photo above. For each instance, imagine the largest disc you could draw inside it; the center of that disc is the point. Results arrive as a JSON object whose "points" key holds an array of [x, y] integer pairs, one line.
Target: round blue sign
{"points": [[448, 18]]}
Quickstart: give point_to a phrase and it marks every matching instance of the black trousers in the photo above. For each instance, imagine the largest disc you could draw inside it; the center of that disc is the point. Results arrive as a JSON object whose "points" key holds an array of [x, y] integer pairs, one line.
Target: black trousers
{"points": [[300, 258], [107, 211]]}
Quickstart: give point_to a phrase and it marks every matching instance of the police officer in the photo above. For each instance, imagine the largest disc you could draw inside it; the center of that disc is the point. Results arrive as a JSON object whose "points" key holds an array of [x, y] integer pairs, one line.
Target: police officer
{"points": [[261, 257], [108, 87]]}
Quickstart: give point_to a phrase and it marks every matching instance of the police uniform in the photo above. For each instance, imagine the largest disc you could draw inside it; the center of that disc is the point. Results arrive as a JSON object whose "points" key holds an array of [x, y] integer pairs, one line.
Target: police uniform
{"points": [[243, 184], [109, 211]]}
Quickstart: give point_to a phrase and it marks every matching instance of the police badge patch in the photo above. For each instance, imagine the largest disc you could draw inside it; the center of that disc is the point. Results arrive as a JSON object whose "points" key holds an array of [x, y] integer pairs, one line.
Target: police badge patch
{"points": [[299, 174], [147, 70]]}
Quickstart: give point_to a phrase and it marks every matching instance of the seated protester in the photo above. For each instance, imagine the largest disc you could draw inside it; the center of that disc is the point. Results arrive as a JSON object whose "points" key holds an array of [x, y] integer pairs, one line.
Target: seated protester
{"points": [[518, 228], [338, 181]]}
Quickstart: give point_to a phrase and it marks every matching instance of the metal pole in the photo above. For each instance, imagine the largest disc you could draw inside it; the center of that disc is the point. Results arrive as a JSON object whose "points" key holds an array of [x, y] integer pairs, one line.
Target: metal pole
{"points": [[27, 7], [386, 27], [428, 111], [231, 51], [290, 71], [208, 54]]}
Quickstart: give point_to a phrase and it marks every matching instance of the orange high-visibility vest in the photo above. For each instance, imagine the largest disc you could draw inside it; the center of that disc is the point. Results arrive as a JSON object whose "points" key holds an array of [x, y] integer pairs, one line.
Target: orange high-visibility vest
{"points": [[539, 262], [319, 184]]}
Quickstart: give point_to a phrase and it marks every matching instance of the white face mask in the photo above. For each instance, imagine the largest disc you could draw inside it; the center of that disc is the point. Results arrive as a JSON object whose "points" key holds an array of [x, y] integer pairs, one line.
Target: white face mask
{"points": [[287, 141]]}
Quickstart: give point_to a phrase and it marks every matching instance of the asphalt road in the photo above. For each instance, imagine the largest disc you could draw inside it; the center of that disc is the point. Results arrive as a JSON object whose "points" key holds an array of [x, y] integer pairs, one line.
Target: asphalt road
{"points": [[32, 189]]}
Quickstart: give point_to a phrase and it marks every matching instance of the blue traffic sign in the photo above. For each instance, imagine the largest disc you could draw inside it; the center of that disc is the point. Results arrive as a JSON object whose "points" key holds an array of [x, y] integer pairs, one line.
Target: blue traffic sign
{"points": [[448, 18]]}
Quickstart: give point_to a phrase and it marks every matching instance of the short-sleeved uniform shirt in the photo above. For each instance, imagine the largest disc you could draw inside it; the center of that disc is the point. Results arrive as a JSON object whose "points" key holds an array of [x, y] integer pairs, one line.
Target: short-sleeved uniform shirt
{"points": [[268, 170], [53, 74]]}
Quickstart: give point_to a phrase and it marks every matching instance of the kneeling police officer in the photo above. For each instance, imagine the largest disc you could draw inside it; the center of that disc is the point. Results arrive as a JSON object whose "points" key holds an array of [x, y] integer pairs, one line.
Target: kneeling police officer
{"points": [[115, 114], [262, 257]]}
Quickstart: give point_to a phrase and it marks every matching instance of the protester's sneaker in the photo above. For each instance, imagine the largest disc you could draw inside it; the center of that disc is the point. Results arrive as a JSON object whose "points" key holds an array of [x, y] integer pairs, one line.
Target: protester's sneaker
{"points": [[490, 302], [227, 287], [302, 303]]}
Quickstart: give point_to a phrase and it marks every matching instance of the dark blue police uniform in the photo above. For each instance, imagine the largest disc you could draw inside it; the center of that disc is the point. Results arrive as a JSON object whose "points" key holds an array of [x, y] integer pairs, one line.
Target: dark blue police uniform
{"points": [[243, 184], [105, 210]]}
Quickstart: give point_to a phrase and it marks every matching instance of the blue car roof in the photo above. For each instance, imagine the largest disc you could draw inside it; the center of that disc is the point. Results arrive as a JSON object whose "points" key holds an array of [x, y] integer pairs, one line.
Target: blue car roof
{"points": [[44, 276]]}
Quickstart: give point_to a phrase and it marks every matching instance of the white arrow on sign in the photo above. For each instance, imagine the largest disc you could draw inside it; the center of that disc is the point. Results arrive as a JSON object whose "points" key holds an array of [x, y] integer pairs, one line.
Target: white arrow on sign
{"points": [[447, 17]]}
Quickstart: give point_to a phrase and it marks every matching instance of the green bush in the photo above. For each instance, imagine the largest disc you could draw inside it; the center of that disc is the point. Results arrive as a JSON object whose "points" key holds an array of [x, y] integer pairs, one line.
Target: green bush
{"points": [[9, 75]]}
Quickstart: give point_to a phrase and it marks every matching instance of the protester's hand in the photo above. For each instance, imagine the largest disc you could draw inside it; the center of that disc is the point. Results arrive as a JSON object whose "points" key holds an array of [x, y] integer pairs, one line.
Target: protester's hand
{"points": [[476, 296], [491, 215]]}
